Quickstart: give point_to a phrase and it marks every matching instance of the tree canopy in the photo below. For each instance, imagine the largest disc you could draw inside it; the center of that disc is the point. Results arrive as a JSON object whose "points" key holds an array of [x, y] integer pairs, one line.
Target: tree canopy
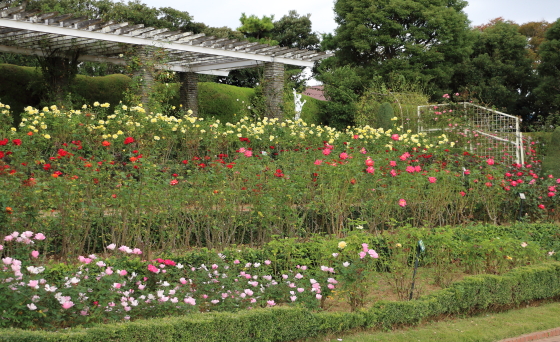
{"points": [[418, 39], [133, 12], [548, 90], [294, 31], [255, 28], [499, 72]]}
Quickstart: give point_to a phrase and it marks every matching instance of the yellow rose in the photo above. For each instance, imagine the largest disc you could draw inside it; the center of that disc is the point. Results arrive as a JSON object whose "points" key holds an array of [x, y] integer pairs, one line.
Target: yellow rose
{"points": [[341, 244]]}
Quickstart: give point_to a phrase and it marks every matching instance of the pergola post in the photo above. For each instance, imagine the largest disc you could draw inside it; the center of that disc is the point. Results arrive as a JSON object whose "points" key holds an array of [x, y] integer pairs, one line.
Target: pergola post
{"points": [[188, 91], [144, 76], [274, 89]]}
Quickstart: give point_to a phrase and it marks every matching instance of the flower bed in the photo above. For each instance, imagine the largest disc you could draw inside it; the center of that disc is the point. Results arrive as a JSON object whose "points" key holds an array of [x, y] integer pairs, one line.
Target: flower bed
{"points": [[98, 175], [123, 286], [476, 293]]}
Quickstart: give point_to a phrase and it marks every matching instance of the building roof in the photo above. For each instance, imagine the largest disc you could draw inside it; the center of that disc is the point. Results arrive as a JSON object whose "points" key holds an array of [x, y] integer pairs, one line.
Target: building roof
{"points": [[316, 92]]}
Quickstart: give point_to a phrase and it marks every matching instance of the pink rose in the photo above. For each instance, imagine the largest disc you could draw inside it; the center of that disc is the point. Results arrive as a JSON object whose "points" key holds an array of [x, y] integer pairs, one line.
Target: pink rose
{"points": [[67, 305]]}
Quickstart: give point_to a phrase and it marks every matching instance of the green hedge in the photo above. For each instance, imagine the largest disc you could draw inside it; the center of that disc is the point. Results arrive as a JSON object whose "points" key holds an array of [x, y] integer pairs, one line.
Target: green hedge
{"points": [[108, 88], [222, 101], [275, 324], [475, 293], [19, 88], [551, 162]]}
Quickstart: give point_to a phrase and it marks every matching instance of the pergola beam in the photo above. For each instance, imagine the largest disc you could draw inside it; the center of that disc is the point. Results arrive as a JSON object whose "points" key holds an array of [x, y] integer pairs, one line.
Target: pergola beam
{"points": [[55, 35], [129, 39], [111, 60]]}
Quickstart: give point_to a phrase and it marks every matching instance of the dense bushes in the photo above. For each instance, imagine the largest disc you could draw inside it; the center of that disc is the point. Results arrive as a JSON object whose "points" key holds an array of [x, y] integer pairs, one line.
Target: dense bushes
{"points": [[472, 249], [551, 163], [21, 87], [18, 87], [473, 294], [180, 182]]}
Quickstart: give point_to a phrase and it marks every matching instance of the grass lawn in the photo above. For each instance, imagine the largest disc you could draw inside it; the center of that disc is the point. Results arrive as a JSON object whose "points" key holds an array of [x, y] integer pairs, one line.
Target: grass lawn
{"points": [[485, 327]]}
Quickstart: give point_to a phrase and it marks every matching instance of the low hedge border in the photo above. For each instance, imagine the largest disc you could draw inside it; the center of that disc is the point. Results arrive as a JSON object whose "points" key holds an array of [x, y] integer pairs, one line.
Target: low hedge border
{"points": [[473, 294]]}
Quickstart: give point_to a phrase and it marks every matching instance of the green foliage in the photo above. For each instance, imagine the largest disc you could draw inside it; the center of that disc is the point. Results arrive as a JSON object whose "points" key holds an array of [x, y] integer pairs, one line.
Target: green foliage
{"points": [[104, 89], [247, 78], [551, 163], [548, 91], [499, 72], [384, 116], [401, 94], [310, 111], [224, 102], [257, 29], [342, 86], [17, 87], [294, 31], [133, 12], [472, 295], [417, 39], [222, 32], [276, 324], [535, 32], [18, 90]]}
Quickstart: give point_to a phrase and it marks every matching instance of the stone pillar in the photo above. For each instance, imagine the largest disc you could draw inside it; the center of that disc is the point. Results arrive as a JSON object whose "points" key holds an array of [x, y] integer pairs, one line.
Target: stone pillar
{"points": [[144, 76], [273, 89], [188, 91]]}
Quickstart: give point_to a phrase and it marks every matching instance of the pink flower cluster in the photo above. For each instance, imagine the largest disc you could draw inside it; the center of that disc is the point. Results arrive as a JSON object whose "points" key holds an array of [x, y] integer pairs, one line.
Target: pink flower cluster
{"points": [[125, 249], [26, 237], [366, 250]]}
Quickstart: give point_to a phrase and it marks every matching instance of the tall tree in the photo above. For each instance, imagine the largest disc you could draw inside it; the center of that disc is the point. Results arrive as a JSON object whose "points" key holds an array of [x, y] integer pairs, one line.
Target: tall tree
{"points": [[535, 32], [257, 29], [341, 88], [499, 72], [294, 31], [548, 91], [419, 39]]}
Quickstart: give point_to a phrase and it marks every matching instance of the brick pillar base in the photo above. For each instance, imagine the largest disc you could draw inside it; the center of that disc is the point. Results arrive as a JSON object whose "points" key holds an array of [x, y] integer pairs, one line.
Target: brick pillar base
{"points": [[274, 89], [188, 91], [144, 76]]}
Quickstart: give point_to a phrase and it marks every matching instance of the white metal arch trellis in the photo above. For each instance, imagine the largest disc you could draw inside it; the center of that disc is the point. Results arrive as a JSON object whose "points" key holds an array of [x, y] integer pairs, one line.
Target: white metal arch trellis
{"points": [[489, 132]]}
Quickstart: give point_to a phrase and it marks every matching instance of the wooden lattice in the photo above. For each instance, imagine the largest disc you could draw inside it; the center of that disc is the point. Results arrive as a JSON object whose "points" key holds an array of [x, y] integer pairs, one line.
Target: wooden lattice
{"points": [[34, 33]]}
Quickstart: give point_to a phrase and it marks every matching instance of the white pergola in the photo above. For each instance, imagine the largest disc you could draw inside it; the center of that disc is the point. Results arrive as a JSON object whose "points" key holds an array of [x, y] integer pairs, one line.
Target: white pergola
{"points": [[42, 34]]}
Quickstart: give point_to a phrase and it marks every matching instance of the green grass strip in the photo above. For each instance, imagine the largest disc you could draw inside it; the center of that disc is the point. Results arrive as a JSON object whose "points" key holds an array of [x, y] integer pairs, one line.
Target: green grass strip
{"points": [[486, 327]]}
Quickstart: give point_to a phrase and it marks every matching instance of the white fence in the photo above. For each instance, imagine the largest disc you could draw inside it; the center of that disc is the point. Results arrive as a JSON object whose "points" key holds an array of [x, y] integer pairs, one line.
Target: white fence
{"points": [[486, 132]]}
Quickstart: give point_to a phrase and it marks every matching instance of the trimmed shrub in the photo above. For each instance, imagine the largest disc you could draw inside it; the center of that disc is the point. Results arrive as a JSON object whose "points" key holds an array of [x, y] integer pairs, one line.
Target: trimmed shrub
{"points": [[108, 88], [19, 88], [274, 324], [384, 116], [222, 101], [551, 163], [475, 293]]}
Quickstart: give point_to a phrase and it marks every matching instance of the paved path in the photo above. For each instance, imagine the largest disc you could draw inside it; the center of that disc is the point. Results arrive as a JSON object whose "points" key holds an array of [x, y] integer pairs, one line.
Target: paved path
{"points": [[552, 335]]}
